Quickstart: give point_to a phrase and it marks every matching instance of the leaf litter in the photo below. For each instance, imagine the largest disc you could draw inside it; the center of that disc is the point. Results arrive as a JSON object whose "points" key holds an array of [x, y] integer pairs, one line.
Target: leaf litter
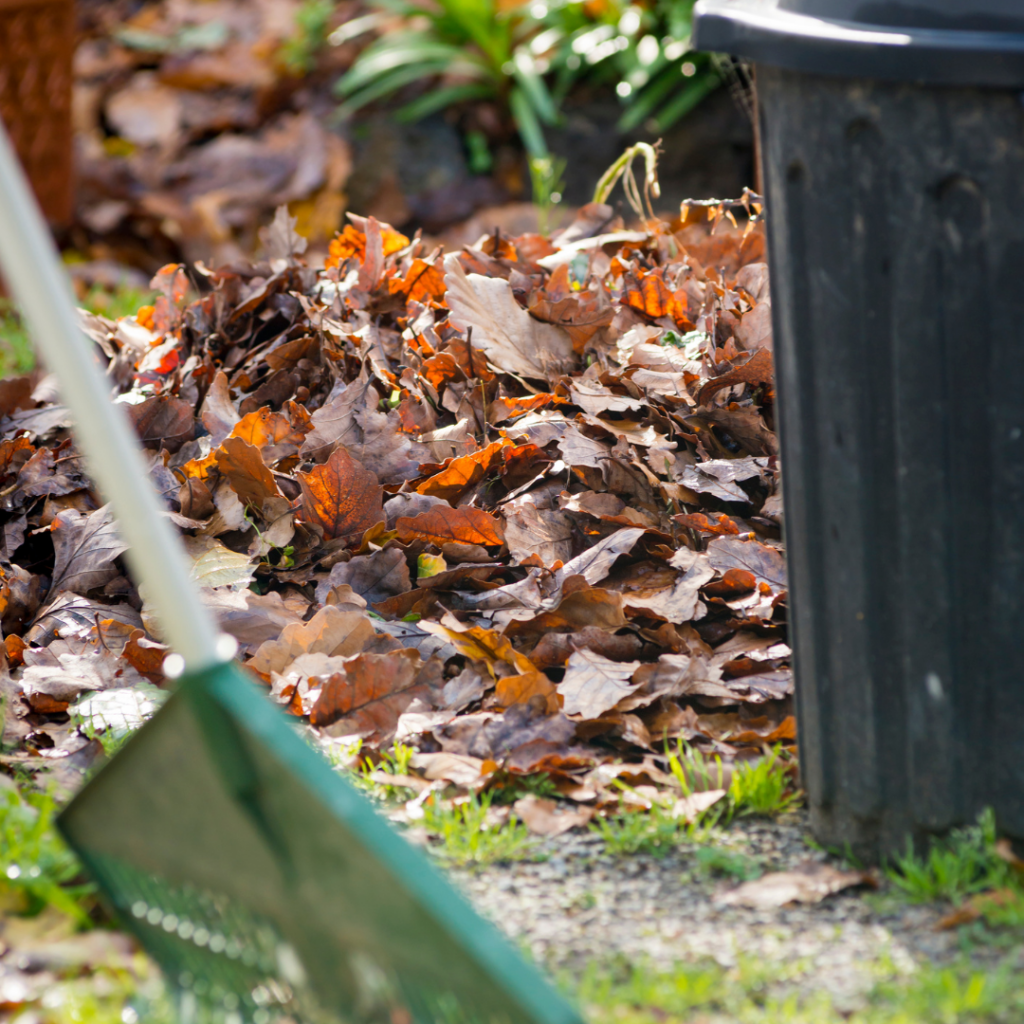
{"points": [[516, 507]]}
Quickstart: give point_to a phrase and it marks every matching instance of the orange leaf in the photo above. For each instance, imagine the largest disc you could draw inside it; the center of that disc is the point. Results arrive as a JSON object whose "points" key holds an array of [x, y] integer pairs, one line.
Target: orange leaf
{"points": [[423, 283], [266, 427], [519, 689], [486, 645], [442, 524], [341, 496], [352, 242], [502, 409], [652, 297], [145, 656], [243, 467], [458, 475]]}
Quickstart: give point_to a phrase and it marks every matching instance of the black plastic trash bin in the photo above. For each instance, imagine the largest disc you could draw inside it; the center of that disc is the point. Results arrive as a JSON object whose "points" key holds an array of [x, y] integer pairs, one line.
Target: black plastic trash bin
{"points": [[893, 155]]}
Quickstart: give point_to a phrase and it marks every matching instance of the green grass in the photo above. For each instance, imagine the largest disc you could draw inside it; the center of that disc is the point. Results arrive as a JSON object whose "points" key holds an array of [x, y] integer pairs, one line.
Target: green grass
{"points": [[764, 787], [764, 993], [958, 866], [716, 862], [36, 869], [17, 355], [464, 836]]}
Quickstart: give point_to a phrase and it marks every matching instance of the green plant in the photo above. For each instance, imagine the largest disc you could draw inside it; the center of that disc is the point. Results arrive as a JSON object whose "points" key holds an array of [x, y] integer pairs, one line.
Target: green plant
{"points": [[298, 52], [506, 788], [764, 786], [469, 50], [466, 837], [35, 865], [655, 831], [715, 862], [16, 354], [546, 178], [957, 866], [642, 50]]}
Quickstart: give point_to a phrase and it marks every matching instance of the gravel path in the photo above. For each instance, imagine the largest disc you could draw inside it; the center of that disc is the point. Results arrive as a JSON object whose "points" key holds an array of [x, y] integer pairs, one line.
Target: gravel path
{"points": [[581, 906]]}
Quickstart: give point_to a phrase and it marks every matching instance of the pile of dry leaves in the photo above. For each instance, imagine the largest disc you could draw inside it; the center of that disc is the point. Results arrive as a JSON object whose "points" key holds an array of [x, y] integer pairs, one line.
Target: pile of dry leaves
{"points": [[516, 506]]}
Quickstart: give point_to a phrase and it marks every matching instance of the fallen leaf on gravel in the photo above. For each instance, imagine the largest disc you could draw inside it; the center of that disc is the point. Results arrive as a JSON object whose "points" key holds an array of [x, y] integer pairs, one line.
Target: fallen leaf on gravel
{"points": [[691, 807], [549, 817], [443, 524], [809, 882], [594, 684], [341, 496]]}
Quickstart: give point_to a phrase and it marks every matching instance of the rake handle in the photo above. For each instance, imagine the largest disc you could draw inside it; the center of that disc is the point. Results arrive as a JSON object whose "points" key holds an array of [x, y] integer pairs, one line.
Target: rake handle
{"points": [[32, 268]]}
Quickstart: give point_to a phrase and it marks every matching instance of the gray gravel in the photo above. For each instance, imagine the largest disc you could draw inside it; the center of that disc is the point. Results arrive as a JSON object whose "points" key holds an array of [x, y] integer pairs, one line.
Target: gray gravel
{"points": [[581, 906]]}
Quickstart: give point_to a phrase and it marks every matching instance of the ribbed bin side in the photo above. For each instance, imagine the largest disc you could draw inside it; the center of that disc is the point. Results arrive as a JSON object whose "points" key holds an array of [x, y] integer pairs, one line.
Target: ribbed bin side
{"points": [[897, 244], [37, 41]]}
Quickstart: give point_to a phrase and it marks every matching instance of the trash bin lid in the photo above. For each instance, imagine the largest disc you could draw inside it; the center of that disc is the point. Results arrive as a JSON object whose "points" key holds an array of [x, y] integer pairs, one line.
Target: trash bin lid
{"points": [[939, 42]]}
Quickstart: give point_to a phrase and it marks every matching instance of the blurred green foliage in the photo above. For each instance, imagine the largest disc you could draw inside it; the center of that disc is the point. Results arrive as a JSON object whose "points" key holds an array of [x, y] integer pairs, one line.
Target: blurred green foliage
{"points": [[527, 58]]}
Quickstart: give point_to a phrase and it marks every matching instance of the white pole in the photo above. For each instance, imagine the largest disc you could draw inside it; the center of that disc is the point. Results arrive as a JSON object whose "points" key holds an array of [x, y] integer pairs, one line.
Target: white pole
{"points": [[33, 272]]}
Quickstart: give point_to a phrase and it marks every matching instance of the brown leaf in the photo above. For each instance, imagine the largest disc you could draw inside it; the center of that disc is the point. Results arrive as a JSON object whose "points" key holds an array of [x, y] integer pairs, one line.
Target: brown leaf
{"points": [[351, 418], [460, 474], [264, 428], [163, 422], [374, 577], [758, 369], [809, 882], [85, 547], [443, 524], [368, 698], [244, 469], [44, 473], [513, 341], [554, 649], [542, 532], [524, 688], [331, 631], [767, 564], [219, 414], [145, 656], [549, 817], [341, 496], [594, 684]]}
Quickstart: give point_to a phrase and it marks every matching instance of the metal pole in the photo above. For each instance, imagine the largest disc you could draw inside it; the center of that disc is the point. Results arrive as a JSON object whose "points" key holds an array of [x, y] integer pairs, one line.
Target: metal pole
{"points": [[33, 272]]}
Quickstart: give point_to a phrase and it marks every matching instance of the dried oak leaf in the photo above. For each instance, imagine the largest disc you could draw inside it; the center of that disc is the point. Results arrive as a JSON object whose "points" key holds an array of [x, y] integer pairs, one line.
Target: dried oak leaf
{"points": [[594, 684], [443, 524], [369, 696], [513, 341], [44, 474], [84, 547], [341, 496], [242, 465]]}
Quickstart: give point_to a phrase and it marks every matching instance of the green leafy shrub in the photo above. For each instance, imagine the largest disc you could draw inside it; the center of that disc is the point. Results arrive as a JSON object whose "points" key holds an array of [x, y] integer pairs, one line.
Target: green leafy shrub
{"points": [[765, 786]]}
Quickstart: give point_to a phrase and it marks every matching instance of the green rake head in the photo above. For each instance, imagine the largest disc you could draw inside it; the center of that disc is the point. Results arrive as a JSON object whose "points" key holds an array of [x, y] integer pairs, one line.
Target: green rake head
{"points": [[268, 889]]}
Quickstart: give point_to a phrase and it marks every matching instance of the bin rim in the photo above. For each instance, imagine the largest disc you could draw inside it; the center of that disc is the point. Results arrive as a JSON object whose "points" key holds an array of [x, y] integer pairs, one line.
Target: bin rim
{"points": [[763, 33]]}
